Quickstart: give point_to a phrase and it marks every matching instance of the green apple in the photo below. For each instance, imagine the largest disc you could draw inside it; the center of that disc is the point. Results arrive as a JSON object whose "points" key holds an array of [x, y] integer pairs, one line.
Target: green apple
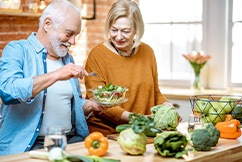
{"points": [[207, 119], [216, 113], [202, 106], [227, 104], [216, 106]]}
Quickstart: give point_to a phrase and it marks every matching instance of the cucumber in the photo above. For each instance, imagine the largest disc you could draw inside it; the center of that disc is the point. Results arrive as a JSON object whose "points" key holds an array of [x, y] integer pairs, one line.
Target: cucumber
{"points": [[122, 127]]}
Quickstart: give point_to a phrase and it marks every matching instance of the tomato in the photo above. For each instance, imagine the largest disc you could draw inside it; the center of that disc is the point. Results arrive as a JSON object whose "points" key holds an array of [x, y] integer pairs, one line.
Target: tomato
{"points": [[104, 94], [117, 94]]}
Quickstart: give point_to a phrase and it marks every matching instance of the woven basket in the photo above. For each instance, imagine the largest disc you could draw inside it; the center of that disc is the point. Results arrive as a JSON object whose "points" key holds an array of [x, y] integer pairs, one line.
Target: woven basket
{"points": [[217, 108]]}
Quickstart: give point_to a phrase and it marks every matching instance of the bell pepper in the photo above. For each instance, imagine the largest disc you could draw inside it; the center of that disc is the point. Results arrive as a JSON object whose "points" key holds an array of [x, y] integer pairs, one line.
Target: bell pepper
{"points": [[96, 144], [229, 129]]}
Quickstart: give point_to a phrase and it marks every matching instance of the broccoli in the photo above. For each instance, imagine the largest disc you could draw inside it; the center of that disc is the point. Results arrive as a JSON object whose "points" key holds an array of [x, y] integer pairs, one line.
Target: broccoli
{"points": [[205, 138], [214, 133], [201, 140]]}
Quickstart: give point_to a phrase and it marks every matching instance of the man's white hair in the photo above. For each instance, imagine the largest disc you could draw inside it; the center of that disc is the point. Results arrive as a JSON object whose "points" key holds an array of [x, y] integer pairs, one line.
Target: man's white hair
{"points": [[57, 11]]}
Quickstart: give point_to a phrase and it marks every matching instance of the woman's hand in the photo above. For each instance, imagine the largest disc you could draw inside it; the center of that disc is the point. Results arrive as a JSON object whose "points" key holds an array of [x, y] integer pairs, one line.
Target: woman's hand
{"points": [[179, 118], [125, 117], [97, 107], [91, 106]]}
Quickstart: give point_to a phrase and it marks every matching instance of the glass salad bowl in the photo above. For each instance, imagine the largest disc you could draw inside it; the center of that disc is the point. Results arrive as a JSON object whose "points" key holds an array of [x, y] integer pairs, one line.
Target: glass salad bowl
{"points": [[109, 95]]}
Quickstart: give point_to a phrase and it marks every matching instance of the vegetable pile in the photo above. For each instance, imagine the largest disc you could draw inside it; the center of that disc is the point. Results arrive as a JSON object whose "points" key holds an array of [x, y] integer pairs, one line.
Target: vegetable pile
{"points": [[133, 136], [161, 125]]}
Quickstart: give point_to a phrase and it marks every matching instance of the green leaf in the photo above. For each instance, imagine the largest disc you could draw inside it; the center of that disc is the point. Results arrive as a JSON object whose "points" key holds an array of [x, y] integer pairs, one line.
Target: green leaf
{"points": [[143, 124]]}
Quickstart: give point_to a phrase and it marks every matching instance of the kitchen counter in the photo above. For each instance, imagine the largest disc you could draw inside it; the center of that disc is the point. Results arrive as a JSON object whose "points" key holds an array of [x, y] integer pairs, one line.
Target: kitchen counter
{"points": [[226, 150], [185, 93]]}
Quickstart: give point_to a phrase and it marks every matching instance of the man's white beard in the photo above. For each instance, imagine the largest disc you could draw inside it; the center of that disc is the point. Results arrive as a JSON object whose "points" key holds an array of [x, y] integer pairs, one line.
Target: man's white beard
{"points": [[56, 45]]}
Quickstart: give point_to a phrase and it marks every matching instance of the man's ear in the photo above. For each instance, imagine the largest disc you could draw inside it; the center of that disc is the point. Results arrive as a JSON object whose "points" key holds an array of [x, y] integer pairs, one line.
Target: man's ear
{"points": [[47, 24]]}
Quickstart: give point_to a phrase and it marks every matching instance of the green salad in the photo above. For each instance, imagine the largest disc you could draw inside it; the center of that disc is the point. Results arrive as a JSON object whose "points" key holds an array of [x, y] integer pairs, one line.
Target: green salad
{"points": [[110, 94]]}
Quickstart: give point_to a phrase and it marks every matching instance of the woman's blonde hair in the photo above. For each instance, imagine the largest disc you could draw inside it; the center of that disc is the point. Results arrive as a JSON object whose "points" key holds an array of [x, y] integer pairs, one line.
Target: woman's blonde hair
{"points": [[128, 9]]}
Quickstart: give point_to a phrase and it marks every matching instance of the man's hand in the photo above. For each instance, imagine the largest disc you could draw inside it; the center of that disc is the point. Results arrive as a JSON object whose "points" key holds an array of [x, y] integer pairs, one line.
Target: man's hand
{"points": [[71, 71]]}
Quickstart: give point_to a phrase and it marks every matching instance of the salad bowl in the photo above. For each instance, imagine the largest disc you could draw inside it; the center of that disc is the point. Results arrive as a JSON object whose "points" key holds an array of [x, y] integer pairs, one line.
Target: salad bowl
{"points": [[109, 95]]}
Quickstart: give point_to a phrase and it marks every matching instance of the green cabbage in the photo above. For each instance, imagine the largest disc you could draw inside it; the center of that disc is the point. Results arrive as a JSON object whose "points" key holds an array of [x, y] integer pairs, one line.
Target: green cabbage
{"points": [[165, 117], [131, 142]]}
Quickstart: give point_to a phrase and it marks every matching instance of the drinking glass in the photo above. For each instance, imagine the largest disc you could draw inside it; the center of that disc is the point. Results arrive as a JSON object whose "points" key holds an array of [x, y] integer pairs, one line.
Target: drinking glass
{"points": [[55, 137], [195, 121]]}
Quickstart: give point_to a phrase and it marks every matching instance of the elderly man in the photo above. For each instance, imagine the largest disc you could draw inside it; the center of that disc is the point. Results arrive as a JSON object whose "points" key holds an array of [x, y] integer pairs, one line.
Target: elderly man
{"points": [[39, 84]]}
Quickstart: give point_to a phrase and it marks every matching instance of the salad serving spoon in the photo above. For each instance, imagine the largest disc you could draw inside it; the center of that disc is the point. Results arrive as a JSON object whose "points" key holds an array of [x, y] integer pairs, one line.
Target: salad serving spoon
{"points": [[93, 74], [96, 75]]}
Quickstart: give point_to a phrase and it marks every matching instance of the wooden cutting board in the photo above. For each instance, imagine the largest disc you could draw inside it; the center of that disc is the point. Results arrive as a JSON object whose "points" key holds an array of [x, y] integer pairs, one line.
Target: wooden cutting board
{"points": [[115, 136]]}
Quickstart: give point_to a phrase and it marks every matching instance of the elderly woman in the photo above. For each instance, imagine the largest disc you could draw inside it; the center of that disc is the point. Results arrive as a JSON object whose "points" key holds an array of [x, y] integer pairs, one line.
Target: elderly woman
{"points": [[125, 61]]}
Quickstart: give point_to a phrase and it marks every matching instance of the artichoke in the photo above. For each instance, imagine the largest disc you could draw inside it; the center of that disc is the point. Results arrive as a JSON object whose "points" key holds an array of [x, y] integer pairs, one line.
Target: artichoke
{"points": [[131, 142]]}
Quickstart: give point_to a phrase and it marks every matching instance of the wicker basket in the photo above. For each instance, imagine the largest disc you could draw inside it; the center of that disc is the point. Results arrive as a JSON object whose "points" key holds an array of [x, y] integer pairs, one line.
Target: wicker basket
{"points": [[217, 108]]}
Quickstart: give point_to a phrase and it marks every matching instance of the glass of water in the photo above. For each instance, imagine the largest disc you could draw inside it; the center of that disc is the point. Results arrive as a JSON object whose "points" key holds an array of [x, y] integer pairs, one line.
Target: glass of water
{"points": [[195, 121], [55, 137]]}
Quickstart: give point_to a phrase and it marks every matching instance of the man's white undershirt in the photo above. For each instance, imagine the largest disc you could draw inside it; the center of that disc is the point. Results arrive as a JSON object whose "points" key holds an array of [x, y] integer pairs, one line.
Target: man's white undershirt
{"points": [[58, 102]]}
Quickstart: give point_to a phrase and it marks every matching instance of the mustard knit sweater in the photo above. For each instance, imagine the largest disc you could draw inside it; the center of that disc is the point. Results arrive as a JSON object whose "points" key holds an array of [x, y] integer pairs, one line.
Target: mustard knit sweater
{"points": [[138, 73]]}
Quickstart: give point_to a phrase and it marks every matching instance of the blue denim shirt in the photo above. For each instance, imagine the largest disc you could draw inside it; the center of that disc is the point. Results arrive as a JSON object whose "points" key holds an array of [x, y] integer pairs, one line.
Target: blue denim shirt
{"points": [[22, 115]]}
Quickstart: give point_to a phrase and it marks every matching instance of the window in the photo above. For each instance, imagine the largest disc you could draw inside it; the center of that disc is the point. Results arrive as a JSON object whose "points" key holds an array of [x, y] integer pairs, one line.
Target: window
{"points": [[172, 30], [236, 43]]}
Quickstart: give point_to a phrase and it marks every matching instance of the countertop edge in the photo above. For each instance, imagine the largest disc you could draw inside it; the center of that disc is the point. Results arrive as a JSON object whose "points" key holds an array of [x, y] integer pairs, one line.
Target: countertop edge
{"points": [[185, 93]]}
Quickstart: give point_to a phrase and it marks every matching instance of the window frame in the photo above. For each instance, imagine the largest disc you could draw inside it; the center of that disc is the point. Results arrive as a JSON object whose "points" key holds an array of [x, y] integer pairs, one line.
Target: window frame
{"points": [[230, 45]]}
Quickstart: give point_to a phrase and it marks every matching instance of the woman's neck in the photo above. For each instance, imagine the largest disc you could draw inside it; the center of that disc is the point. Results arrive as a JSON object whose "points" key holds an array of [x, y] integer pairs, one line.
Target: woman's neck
{"points": [[123, 53]]}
